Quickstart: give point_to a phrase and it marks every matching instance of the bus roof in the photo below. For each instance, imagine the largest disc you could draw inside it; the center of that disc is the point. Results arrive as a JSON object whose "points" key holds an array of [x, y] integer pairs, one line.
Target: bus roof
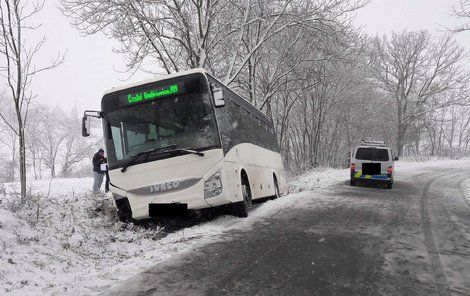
{"points": [[178, 74], [155, 79]]}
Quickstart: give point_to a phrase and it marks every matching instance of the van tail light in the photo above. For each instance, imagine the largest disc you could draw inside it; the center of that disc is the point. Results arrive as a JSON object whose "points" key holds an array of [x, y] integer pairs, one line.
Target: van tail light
{"points": [[353, 167], [389, 170]]}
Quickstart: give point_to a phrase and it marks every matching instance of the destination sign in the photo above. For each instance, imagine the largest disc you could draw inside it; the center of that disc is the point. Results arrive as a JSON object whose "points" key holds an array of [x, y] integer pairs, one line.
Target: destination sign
{"points": [[152, 94]]}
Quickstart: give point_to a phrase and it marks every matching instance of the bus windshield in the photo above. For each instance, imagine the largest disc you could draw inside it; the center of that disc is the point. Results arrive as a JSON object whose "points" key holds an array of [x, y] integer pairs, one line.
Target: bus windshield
{"points": [[182, 118]]}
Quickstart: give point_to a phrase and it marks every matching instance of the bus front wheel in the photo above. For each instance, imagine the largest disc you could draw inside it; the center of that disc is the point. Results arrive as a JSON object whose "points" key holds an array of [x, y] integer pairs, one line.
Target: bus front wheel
{"points": [[123, 210], [241, 208]]}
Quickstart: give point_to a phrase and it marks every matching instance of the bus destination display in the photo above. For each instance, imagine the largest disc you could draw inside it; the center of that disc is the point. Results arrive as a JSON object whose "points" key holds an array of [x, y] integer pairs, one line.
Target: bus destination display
{"points": [[152, 94]]}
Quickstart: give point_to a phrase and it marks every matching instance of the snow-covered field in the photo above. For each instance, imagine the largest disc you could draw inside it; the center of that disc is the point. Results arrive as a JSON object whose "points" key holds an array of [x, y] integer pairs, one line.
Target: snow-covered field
{"points": [[66, 241]]}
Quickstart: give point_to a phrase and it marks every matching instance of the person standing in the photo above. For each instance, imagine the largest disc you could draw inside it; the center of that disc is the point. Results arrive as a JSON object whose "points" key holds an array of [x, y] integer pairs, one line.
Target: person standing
{"points": [[99, 169]]}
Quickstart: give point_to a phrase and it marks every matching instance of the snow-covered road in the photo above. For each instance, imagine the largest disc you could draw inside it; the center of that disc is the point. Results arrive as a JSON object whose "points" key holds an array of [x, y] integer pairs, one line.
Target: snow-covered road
{"points": [[339, 240]]}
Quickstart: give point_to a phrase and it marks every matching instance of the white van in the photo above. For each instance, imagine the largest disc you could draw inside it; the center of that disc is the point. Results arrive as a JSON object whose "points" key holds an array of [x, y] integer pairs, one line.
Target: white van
{"points": [[372, 161]]}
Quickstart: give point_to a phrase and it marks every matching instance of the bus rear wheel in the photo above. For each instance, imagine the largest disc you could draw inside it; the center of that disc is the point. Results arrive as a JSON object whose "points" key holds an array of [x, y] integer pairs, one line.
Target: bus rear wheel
{"points": [[276, 189], [241, 208]]}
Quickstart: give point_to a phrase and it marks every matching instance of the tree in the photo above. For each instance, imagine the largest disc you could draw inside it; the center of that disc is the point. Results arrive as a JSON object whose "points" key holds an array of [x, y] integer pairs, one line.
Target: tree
{"points": [[223, 36], [265, 50], [18, 67], [51, 135], [462, 11], [8, 140], [76, 149], [414, 71], [54, 141]]}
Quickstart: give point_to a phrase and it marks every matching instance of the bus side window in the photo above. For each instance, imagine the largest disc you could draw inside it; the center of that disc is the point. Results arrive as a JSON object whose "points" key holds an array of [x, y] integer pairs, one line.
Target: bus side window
{"points": [[234, 114], [229, 122]]}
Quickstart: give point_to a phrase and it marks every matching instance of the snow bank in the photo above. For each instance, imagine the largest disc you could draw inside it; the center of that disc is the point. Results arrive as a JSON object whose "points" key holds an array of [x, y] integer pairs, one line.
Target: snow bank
{"points": [[66, 241], [54, 245], [409, 165], [318, 178]]}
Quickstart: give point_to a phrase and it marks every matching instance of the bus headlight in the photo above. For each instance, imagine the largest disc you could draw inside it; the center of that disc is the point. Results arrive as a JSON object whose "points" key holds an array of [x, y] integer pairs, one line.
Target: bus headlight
{"points": [[213, 186]]}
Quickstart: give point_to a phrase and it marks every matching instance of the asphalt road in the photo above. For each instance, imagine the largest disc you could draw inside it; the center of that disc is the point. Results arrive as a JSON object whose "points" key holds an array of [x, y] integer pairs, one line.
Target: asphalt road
{"points": [[411, 240]]}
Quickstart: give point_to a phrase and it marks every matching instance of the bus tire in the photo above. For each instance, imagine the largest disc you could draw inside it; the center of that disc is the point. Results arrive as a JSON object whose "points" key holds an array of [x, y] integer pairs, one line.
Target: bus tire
{"points": [[276, 188], [241, 208], [123, 210]]}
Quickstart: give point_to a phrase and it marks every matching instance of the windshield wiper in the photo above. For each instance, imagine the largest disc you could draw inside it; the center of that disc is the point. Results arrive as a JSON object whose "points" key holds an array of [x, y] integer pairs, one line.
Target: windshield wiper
{"points": [[147, 152], [186, 150], [167, 149], [179, 150]]}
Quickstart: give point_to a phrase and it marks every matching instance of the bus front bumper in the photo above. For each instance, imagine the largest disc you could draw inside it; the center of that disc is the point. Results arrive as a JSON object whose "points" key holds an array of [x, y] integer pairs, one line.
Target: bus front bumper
{"points": [[171, 204]]}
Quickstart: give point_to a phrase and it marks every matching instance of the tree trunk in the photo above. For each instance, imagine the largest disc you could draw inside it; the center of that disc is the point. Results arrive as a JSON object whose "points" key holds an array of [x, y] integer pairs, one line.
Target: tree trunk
{"points": [[22, 150], [401, 130]]}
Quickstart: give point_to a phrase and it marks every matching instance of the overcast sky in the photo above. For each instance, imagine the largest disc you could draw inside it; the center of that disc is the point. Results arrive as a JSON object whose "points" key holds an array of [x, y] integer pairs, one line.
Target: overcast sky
{"points": [[90, 66]]}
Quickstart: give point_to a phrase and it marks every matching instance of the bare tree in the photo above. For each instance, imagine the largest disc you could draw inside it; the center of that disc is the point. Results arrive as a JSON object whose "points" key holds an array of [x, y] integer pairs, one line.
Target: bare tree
{"points": [[54, 141], [462, 11], [75, 148], [303, 64], [18, 66], [413, 70], [35, 135], [51, 135], [223, 36], [463, 127], [8, 140]]}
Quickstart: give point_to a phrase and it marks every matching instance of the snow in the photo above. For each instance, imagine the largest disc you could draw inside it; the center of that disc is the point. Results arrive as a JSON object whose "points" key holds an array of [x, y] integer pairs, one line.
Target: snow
{"points": [[66, 241], [413, 165], [323, 177], [318, 178]]}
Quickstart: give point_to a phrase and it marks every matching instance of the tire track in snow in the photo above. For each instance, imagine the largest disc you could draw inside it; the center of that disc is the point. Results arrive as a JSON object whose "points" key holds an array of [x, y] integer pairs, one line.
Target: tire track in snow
{"points": [[441, 282], [462, 192], [457, 233]]}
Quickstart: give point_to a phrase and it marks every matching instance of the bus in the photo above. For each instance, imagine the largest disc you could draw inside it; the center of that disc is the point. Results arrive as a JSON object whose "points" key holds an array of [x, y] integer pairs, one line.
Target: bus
{"points": [[183, 142]]}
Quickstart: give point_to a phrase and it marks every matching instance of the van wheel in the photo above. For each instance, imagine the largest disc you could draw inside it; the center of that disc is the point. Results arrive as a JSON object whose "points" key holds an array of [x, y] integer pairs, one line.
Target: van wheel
{"points": [[352, 182], [276, 189], [241, 208]]}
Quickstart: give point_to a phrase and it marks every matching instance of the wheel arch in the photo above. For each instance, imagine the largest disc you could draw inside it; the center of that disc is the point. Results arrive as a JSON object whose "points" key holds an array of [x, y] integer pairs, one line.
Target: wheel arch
{"points": [[244, 175]]}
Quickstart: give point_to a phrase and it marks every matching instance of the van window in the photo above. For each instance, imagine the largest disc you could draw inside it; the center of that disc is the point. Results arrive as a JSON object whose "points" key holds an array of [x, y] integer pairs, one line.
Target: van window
{"points": [[374, 154]]}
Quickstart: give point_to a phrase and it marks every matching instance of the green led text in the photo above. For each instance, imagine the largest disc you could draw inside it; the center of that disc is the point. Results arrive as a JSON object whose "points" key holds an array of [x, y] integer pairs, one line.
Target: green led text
{"points": [[152, 94]]}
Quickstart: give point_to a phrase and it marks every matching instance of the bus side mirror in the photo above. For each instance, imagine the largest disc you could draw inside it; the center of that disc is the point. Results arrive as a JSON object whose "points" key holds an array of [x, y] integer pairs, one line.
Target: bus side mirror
{"points": [[396, 158], [218, 94], [85, 126]]}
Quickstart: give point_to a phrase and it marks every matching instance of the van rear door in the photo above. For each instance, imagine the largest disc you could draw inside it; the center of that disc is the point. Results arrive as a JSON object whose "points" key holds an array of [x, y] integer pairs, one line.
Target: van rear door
{"points": [[374, 160]]}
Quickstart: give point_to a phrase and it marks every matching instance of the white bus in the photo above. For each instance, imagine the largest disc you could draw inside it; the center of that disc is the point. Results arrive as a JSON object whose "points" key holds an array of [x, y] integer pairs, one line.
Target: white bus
{"points": [[185, 142]]}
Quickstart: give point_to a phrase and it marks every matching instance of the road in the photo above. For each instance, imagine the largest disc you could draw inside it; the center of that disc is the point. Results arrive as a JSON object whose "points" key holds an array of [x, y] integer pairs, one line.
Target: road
{"points": [[343, 240]]}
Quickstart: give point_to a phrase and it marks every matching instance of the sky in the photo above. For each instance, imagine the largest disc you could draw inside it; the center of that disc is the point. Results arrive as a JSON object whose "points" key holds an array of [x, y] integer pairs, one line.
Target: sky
{"points": [[91, 67]]}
